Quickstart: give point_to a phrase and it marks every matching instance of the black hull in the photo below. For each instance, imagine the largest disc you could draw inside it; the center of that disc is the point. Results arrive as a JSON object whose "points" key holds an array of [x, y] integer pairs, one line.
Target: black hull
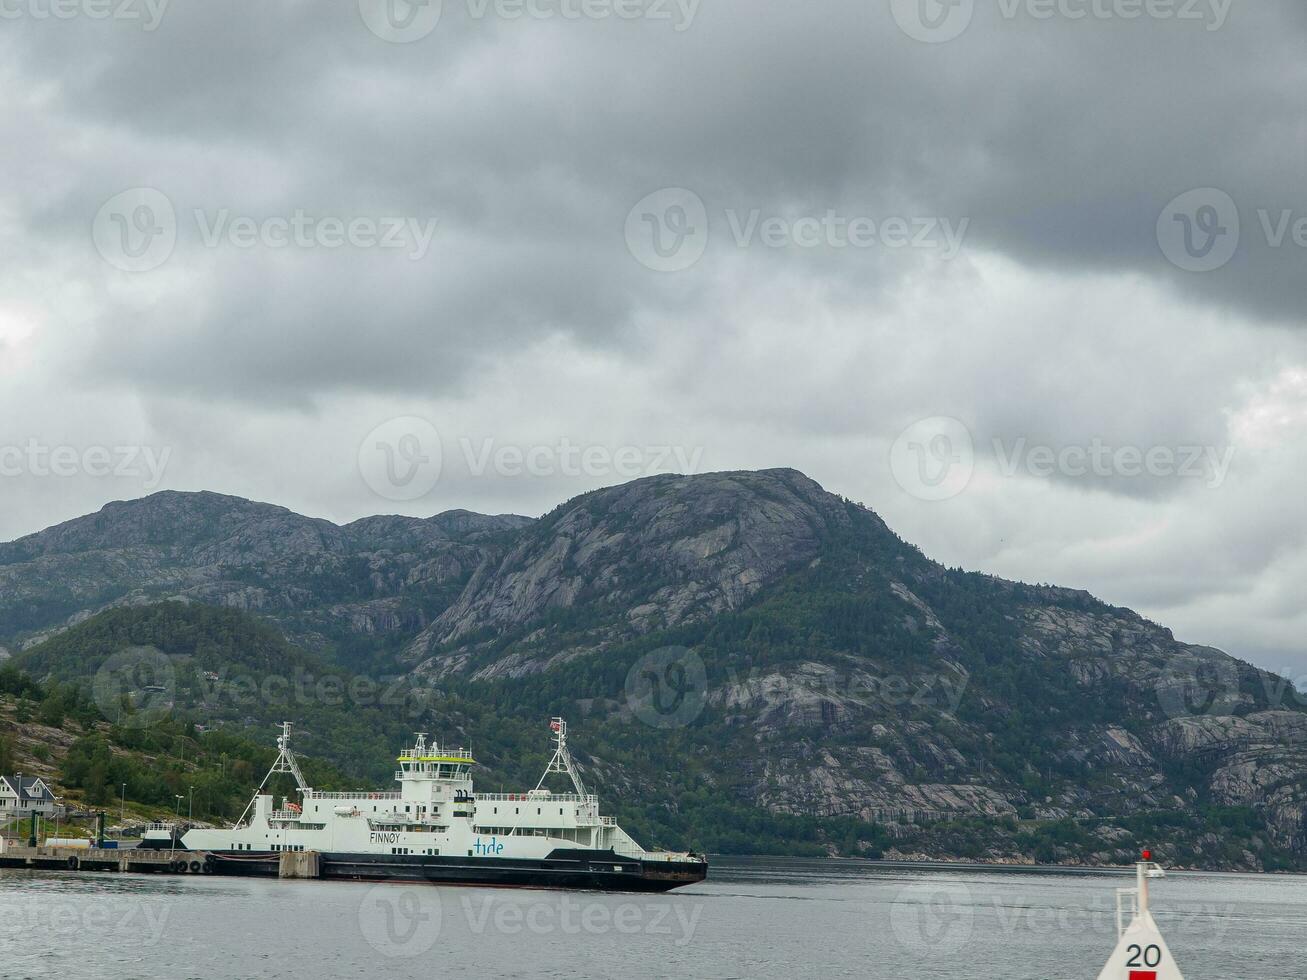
{"points": [[564, 869]]}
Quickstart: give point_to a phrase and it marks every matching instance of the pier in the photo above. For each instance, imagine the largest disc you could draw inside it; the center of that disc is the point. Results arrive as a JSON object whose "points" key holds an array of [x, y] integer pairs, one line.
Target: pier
{"points": [[102, 859], [296, 865]]}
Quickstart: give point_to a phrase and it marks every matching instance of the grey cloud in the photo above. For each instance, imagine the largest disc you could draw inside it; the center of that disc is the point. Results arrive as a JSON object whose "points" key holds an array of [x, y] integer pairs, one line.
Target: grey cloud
{"points": [[1060, 322]]}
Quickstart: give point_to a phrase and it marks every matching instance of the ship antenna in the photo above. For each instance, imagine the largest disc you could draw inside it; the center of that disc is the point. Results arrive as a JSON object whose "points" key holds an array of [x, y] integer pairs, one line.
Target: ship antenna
{"points": [[562, 760], [286, 759], [285, 763]]}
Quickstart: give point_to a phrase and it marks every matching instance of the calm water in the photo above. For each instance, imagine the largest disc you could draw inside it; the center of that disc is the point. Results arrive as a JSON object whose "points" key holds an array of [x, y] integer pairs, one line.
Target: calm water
{"points": [[753, 918]]}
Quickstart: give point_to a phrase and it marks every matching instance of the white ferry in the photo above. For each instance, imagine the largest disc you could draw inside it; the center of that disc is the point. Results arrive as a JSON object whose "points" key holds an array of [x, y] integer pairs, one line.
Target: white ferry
{"points": [[437, 829]]}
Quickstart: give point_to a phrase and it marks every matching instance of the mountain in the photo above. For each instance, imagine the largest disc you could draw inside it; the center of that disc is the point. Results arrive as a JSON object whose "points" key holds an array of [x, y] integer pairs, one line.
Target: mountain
{"points": [[748, 662], [651, 555], [349, 588]]}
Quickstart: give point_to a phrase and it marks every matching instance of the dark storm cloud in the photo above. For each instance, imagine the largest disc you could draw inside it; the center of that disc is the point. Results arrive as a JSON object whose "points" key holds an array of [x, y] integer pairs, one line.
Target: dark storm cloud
{"points": [[1059, 142], [1062, 141]]}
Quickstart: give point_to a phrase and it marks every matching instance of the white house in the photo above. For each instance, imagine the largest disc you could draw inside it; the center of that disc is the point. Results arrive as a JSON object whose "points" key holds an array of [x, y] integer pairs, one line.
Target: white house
{"points": [[23, 795]]}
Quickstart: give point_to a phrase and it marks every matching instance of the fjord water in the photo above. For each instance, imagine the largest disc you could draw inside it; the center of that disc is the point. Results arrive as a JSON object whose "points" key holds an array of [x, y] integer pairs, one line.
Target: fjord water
{"points": [[752, 918]]}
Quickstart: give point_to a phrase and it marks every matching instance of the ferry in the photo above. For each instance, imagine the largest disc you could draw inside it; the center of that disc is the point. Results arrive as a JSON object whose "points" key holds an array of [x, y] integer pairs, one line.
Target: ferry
{"points": [[437, 829]]}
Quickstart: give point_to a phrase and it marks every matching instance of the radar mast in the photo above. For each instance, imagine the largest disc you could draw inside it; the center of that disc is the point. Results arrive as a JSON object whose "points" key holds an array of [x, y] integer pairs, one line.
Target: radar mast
{"points": [[562, 760]]}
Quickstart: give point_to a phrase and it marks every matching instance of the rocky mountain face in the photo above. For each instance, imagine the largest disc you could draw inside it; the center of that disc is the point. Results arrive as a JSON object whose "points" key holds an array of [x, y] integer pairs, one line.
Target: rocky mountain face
{"points": [[324, 584], [648, 556], [780, 643]]}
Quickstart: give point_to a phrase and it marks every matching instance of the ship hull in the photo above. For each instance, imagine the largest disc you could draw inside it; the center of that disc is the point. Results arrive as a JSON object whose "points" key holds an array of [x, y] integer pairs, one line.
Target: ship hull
{"points": [[571, 869]]}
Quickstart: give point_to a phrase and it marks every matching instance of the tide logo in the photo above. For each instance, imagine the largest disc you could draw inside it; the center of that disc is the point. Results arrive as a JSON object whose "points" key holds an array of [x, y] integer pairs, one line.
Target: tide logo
{"points": [[491, 847]]}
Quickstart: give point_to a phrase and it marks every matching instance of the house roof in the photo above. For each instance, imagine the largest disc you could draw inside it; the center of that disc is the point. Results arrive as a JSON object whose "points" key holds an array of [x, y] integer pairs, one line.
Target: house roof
{"points": [[32, 788]]}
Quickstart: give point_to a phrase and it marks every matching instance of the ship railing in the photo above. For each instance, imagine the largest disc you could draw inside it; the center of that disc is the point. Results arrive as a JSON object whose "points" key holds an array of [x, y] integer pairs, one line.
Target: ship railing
{"points": [[286, 815], [589, 799], [360, 795], [678, 856], [635, 851], [433, 754], [608, 821], [401, 774]]}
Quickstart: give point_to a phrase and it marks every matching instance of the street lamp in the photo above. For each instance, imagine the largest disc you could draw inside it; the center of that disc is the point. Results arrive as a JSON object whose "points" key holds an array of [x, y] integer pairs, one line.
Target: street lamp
{"points": [[176, 814], [122, 813], [190, 803]]}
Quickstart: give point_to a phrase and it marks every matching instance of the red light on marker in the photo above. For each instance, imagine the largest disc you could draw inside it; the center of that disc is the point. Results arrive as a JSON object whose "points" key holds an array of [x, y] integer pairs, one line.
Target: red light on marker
{"points": [[1148, 855]]}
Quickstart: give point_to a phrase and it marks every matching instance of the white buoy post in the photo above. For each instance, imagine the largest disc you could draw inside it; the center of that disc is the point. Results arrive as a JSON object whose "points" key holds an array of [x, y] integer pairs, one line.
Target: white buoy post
{"points": [[1141, 952]]}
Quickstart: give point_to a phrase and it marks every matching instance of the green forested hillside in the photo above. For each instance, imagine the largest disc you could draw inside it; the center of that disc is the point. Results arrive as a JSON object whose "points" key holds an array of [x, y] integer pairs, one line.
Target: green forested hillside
{"points": [[747, 662]]}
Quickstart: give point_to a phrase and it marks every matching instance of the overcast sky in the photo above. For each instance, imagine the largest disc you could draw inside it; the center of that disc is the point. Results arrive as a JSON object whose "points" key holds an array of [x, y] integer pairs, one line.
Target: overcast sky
{"points": [[1025, 277]]}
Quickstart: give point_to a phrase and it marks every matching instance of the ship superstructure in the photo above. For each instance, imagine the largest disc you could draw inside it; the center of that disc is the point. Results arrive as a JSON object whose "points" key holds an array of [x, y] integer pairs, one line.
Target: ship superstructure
{"points": [[437, 828]]}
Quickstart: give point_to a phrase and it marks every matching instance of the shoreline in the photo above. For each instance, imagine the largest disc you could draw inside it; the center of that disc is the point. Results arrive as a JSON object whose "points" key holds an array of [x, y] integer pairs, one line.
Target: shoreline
{"points": [[943, 864]]}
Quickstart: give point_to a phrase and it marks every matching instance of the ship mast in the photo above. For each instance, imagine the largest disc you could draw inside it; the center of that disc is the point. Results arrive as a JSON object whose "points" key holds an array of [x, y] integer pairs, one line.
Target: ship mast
{"points": [[286, 760], [562, 760], [285, 764]]}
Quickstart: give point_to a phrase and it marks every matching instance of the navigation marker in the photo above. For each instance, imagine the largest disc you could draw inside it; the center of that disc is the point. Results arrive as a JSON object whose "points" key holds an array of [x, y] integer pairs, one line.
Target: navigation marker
{"points": [[1141, 953]]}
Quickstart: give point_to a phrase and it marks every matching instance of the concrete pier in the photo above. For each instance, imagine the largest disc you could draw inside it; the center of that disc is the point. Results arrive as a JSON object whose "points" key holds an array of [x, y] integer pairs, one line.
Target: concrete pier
{"points": [[300, 864], [103, 859]]}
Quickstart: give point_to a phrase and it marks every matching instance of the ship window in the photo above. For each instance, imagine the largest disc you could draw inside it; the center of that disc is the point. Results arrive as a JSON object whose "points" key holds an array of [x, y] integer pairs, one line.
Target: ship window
{"points": [[517, 809], [537, 811]]}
